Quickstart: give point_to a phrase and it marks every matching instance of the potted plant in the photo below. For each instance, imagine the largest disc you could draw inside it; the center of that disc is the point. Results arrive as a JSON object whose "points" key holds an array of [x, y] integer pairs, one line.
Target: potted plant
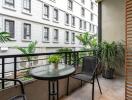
{"points": [[109, 54], [54, 59]]}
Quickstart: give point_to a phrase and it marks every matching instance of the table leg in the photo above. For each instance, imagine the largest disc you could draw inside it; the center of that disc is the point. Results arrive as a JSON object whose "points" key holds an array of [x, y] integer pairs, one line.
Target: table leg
{"points": [[53, 90]]}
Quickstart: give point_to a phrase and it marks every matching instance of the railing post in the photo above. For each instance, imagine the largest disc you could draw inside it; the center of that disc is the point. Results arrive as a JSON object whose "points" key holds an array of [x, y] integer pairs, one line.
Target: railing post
{"points": [[77, 58], [74, 55], [69, 59], [15, 69], [65, 58], [3, 72]]}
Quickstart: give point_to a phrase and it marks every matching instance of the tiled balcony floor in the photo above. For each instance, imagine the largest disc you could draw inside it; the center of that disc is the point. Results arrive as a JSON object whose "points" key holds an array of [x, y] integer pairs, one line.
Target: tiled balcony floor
{"points": [[112, 90]]}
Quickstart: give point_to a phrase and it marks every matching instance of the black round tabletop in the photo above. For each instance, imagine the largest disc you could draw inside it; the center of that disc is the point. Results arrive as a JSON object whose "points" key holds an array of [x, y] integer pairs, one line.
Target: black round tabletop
{"points": [[49, 72]]}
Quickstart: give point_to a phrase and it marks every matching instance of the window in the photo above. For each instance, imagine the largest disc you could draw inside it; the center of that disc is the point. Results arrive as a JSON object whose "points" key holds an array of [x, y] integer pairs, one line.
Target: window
{"points": [[27, 5], [46, 34], [83, 11], [73, 37], [93, 29], [80, 24], [67, 18], [92, 5], [56, 14], [83, 1], [27, 31], [85, 25], [73, 21], [67, 37], [70, 4], [56, 35], [10, 3], [91, 16], [46, 11], [90, 27], [10, 27]]}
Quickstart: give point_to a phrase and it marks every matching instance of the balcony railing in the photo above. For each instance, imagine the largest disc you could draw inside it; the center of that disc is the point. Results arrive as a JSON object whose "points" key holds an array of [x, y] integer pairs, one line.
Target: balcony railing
{"points": [[12, 65]]}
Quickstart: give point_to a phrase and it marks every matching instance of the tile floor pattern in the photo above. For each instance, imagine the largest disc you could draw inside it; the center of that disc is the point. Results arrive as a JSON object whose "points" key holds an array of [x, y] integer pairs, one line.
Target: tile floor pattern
{"points": [[112, 90]]}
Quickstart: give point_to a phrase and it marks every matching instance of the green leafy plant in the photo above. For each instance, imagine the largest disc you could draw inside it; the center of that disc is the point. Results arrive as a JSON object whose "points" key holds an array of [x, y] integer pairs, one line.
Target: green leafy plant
{"points": [[88, 40], [4, 37], [111, 56], [29, 50], [54, 59]]}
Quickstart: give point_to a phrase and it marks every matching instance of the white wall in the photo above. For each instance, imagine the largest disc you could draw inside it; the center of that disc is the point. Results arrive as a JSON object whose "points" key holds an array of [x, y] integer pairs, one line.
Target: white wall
{"points": [[113, 20]]}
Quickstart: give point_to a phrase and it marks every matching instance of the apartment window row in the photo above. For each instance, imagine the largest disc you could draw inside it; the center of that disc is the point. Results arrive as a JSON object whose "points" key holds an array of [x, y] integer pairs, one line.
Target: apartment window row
{"points": [[26, 4], [10, 27]]}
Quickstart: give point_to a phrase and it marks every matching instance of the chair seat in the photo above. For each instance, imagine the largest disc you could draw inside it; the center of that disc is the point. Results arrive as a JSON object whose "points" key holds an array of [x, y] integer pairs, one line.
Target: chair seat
{"points": [[20, 97], [83, 77]]}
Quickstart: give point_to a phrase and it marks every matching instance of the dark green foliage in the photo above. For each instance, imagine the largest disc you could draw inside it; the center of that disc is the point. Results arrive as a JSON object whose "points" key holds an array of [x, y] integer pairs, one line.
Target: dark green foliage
{"points": [[4, 37]]}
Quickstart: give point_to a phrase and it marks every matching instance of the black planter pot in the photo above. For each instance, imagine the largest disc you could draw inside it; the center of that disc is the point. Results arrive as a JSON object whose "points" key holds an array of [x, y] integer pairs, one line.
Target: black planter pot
{"points": [[109, 73]]}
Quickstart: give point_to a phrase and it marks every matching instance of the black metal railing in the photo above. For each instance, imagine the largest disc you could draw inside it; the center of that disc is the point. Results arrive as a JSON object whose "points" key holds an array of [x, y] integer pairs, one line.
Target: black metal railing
{"points": [[14, 62]]}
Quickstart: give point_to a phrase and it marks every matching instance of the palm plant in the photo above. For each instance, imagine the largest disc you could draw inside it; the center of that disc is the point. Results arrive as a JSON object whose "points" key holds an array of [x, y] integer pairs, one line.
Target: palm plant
{"points": [[88, 40], [29, 50], [4, 37]]}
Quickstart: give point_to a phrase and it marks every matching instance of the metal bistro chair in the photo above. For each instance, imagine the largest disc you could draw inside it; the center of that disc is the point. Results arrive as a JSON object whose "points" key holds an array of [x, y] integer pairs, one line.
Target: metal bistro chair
{"points": [[18, 97], [88, 73]]}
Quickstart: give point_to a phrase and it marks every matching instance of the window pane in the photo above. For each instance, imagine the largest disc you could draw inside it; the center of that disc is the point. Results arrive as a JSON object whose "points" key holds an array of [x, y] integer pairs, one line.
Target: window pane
{"points": [[9, 27], [67, 36], [56, 14], [67, 18], [27, 5], [9, 2], [46, 11], [56, 35], [27, 31], [46, 34]]}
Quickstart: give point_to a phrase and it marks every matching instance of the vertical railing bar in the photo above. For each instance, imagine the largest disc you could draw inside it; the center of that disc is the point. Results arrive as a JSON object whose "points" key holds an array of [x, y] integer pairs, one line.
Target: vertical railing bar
{"points": [[3, 72], [15, 69], [77, 58]]}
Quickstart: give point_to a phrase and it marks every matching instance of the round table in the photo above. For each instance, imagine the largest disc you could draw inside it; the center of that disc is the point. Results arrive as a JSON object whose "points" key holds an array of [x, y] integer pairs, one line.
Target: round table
{"points": [[52, 74]]}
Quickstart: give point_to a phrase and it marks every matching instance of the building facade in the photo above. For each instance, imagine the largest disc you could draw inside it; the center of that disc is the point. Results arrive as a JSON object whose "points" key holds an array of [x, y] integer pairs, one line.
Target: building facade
{"points": [[53, 23]]}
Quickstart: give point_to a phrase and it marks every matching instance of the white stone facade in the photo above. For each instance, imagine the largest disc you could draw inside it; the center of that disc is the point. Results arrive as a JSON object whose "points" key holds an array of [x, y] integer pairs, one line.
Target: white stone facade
{"points": [[35, 17]]}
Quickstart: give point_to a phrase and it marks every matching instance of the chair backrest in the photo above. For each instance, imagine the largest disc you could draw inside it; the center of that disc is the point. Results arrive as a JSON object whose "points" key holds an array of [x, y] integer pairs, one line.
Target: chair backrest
{"points": [[89, 64]]}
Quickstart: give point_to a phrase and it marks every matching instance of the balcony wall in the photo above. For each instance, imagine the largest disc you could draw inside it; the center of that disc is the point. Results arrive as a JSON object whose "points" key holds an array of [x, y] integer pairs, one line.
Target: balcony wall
{"points": [[38, 90], [113, 20]]}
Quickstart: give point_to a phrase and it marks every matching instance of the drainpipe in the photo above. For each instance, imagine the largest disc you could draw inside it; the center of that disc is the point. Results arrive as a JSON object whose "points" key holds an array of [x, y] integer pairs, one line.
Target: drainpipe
{"points": [[99, 22]]}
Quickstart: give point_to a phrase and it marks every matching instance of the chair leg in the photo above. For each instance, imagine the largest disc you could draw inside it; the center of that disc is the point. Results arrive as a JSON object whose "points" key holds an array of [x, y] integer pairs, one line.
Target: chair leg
{"points": [[93, 90], [67, 86], [81, 83], [99, 84]]}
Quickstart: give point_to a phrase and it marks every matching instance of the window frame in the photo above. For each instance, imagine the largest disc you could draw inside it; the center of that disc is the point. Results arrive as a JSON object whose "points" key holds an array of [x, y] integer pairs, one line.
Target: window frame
{"points": [[46, 38], [25, 8], [56, 14], [10, 4], [73, 21], [8, 20], [80, 23], [92, 16], [67, 19], [56, 36], [73, 38], [70, 5], [82, 11], [46, 16], [85, 25], [67, 39], [92, 5], [26, 35]]}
